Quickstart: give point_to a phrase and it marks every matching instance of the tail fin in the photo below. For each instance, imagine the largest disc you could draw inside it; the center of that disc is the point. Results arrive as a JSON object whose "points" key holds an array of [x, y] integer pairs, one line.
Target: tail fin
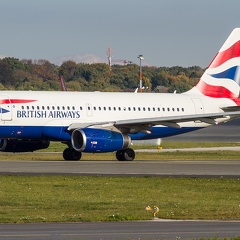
{"points": [[222, 77]]}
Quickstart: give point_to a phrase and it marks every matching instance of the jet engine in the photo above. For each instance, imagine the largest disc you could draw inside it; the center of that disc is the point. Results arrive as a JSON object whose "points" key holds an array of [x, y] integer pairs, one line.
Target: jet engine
{"points": [[99, 140], [22, 145]]}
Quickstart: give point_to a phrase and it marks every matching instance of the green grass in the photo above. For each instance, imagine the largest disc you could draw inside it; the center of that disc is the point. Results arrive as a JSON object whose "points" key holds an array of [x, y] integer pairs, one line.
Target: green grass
{"points": [[178, 155], [85, 198], [54, 153]]}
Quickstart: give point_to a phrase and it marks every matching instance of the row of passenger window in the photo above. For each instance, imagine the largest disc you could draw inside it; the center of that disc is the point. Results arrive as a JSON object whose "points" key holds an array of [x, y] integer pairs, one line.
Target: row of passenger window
{"points": [[49, 108], [105, 108], [137, 109]]}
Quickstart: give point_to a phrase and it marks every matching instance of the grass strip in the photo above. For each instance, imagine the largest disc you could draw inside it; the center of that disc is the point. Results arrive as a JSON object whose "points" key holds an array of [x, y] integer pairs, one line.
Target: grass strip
{"points": [[25, 199], [54, 153], [178, 155]]}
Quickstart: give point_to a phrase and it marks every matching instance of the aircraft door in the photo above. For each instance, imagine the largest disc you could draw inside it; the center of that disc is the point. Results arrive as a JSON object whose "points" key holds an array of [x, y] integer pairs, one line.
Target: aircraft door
{"points": [[5, 108], [198, 105]]}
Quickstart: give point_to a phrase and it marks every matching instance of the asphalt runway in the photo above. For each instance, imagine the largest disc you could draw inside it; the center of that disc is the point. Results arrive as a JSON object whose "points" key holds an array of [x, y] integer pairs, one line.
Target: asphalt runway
{"points": [[115, 168], [120, 230]]}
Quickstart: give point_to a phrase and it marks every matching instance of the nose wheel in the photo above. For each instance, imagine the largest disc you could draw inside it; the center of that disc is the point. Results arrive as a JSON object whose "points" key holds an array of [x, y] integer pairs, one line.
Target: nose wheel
{"points": [[125, 155]]}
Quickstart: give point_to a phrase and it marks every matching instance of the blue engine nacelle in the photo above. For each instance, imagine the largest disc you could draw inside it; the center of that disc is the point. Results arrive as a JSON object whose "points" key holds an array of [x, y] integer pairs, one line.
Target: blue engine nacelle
{"points": [[22, 145], [98, 140]]}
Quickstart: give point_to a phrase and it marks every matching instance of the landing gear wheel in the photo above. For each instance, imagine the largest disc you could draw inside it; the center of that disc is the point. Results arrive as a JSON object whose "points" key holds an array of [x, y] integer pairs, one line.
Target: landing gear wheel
{"points": [[70, 154], [120, 155], [125, 155], [129, 154]]}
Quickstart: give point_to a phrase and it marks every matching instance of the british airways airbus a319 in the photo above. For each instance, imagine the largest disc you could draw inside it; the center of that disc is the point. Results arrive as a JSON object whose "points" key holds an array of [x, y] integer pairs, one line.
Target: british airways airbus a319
{"points": [[98, 122]]}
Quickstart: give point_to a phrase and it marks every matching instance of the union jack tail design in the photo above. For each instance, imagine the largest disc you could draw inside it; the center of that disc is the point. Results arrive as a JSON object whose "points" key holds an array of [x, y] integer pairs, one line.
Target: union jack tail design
{"points": [[222, 77]]}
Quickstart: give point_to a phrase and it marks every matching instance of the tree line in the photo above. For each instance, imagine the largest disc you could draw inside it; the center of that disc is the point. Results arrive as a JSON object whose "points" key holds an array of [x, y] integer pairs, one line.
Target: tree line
{"points": [[42, 75]]}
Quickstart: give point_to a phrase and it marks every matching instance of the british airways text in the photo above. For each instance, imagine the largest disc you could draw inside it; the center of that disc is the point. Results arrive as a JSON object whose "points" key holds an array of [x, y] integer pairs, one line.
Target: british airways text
{"points": [[47, 114]]}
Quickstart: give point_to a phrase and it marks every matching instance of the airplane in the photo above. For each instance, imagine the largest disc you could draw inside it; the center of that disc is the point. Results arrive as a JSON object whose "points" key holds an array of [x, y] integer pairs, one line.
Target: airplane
{"points": [[97, 122]]}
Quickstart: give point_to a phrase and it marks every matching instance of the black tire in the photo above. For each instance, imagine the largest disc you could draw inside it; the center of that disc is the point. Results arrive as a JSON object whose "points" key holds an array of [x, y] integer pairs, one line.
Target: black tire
{"points": [[125, 155], [120, 155], [70, 154], [129, 154]]}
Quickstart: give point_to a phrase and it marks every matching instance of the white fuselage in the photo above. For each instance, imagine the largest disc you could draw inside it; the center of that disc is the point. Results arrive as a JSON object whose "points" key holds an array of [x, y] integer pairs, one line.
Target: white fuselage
{"points": [[41, 110]]}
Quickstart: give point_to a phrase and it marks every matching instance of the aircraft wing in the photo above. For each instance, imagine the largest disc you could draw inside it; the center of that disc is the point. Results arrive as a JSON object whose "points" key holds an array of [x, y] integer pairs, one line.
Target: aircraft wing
{"points": [[144, 124]]}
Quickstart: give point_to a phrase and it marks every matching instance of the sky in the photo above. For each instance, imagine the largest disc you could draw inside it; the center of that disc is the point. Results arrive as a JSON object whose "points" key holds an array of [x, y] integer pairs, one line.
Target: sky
{"points": [[167, 32]]}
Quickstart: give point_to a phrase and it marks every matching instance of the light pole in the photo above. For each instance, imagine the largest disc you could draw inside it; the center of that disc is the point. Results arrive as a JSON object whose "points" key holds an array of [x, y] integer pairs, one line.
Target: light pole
{"points": [[140, 72]]}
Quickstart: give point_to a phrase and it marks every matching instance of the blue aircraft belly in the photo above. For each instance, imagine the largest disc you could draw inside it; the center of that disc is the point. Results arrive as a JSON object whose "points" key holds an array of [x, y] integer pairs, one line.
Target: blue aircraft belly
{"points": [[161, 132], [61, 133]]}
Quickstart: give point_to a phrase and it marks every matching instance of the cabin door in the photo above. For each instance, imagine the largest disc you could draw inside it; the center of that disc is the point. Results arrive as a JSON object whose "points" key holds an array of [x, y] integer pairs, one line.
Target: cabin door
{"points": [[198, 105]]}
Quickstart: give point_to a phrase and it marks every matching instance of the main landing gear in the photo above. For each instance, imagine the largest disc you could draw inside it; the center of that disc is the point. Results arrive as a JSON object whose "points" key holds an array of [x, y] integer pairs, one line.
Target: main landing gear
{"points": [[125, 155], [70, 154]]}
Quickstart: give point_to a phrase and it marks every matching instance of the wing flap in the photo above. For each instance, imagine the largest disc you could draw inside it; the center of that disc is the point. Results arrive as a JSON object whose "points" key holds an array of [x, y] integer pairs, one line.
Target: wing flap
{"points": [[145, 124], [178, 119]]}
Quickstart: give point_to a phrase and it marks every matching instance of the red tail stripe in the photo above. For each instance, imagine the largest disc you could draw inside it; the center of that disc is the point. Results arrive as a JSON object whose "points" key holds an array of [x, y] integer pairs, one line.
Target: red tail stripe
{"points": [[222, 57], [8, 101], [214, 91], [237, 101]]}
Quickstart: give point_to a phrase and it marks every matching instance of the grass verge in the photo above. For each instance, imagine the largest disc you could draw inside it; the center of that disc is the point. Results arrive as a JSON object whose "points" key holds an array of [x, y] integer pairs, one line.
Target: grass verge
{"points": [[178, 155], [85, 198]]}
